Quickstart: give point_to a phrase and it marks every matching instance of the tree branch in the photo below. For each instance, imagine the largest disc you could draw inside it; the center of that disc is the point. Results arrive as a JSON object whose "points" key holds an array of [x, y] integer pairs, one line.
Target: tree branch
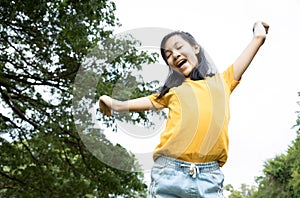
{"points": [[14, 107]]}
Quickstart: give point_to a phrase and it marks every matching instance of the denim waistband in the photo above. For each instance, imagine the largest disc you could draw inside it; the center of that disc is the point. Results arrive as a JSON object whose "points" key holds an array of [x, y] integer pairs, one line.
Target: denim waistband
{"points": [[192, 168]]}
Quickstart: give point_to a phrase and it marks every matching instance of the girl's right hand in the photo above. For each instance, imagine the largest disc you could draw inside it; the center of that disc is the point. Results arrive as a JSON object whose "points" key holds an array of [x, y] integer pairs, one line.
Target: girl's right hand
{"points": [[105, 104]]}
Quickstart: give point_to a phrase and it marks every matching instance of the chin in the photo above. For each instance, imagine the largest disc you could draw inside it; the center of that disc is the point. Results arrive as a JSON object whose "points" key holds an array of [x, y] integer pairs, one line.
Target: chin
{"points": [[186, 73]]}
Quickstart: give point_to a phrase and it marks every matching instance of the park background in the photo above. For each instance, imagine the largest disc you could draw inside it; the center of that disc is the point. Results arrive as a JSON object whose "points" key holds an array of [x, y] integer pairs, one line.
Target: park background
{"points": [[263, 106], [53, 70]]}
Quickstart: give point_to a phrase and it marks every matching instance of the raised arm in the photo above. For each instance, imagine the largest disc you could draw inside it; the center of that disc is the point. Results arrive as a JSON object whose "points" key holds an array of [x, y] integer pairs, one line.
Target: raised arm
{"points": [[260, 31], [108, 104]]}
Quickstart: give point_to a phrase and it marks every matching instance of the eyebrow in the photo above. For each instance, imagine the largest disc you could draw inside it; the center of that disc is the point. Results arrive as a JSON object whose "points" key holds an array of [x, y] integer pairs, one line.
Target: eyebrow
{"points": [[177, 42]]}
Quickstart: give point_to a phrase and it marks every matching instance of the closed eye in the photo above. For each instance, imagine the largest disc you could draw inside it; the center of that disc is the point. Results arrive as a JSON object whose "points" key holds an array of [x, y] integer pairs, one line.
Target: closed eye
{"points": [[179, 47], [168, 54]]}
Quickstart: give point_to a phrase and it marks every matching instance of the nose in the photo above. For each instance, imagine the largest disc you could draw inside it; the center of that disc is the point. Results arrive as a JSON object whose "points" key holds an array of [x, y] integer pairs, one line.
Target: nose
{"points": [[176, 54]]}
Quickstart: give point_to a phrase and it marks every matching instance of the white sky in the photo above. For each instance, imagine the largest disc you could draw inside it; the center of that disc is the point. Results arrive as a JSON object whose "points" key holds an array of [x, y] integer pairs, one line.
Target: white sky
{"points": [[263, 105]]}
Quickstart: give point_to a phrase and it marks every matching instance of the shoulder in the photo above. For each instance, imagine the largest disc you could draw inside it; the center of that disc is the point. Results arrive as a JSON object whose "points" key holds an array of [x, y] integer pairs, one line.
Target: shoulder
{"points": [[228, 76], [164, 100]]}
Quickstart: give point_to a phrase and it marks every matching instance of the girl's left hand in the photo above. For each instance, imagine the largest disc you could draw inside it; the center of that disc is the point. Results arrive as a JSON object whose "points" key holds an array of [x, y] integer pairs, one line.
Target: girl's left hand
{"points": [[260, 30]]}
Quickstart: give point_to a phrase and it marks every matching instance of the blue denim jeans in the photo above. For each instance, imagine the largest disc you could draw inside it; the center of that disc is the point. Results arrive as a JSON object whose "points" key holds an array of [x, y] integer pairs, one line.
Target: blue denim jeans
{"points": [[172, 178]]}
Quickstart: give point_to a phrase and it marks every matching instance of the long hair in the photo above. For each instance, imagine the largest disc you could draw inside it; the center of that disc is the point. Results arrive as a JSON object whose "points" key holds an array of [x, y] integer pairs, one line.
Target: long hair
{"points": [[204, 68]]}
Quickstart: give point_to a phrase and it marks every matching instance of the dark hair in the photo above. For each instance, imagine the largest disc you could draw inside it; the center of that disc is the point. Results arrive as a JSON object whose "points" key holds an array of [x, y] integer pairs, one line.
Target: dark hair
{"points": [[175, 78]]}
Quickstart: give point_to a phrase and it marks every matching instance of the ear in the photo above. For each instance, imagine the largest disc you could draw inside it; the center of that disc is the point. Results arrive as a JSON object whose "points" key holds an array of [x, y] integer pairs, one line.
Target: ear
{"points": [[197, 49]]}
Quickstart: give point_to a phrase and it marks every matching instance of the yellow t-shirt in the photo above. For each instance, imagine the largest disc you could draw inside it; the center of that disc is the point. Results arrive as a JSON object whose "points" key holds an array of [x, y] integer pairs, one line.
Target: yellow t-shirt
{"points": [[197, 123]]}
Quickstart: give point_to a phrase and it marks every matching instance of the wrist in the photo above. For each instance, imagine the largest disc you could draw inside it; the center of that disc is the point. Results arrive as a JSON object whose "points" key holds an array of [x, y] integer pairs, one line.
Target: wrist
{"points": [[259, 40], [116, 105]]}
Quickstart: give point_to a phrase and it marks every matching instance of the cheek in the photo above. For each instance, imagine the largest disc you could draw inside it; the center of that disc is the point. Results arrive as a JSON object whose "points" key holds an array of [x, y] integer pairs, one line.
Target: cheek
{"points": [[170, 63], [194, 60]]}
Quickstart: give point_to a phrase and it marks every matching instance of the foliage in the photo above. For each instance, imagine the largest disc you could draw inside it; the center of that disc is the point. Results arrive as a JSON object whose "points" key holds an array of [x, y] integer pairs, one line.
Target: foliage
{"points": [[43, 45], [243, 192]]}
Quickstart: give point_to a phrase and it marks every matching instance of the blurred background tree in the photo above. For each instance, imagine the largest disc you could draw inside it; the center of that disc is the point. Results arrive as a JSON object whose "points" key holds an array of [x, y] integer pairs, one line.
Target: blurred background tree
{"points": [[43, 44], [243, 192]]}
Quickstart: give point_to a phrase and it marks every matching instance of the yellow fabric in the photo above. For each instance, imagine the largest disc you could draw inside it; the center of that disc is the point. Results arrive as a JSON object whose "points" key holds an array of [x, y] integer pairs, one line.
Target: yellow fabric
{"points": [[197, 124]]}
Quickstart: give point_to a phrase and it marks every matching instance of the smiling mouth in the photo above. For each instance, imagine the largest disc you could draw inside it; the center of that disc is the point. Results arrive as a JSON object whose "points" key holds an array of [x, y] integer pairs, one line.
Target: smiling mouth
{"points": [[181, 63]]}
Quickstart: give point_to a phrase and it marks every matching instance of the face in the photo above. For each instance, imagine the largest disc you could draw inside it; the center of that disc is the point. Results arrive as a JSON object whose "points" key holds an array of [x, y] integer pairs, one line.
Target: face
{"points": [[181, 55]]}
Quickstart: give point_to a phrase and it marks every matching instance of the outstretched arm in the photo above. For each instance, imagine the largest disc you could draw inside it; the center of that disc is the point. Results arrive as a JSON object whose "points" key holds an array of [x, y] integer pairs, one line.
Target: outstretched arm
{"points": [[108, 104], [260, 31]]}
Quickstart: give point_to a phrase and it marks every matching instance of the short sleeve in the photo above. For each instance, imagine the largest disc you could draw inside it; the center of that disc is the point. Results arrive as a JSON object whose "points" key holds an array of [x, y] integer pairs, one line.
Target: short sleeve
{"points": [[228, 76], [157, 103]]}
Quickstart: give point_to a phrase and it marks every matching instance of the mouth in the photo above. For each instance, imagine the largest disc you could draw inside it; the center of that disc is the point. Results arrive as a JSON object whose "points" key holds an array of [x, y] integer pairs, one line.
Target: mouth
{"points": [[181, 62]]}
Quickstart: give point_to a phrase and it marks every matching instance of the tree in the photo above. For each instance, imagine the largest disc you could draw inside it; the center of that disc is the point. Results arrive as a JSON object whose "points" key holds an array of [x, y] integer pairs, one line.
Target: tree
{"points": [[43, 45], [244, 191], [282, 174]]}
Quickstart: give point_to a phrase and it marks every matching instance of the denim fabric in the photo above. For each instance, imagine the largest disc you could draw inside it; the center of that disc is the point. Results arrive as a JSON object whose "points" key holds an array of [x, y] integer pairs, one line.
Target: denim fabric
{"points": [[174, 178]]}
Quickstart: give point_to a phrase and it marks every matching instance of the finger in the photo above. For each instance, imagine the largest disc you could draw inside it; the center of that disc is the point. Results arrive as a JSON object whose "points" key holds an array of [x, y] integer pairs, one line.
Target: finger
{"points": [[259, 29], [104, 108], [266, 26]]}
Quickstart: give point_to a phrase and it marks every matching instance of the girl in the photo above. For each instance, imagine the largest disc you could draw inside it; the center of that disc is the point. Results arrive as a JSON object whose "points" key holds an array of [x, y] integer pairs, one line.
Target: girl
{"points": [[194, 144]]}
